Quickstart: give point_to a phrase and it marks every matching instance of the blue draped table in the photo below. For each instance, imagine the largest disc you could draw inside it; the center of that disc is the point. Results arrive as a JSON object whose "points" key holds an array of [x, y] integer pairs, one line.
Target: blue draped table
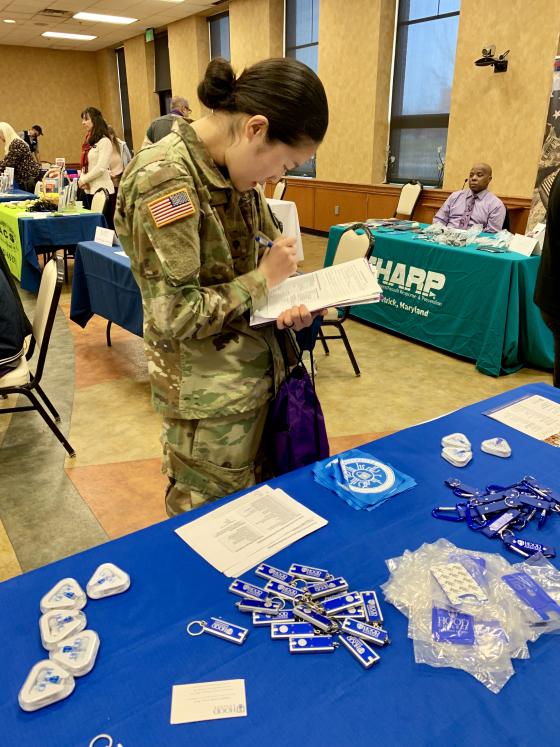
{"points": [[15, 195], [322, 700], [459, 299], [103, 284]]}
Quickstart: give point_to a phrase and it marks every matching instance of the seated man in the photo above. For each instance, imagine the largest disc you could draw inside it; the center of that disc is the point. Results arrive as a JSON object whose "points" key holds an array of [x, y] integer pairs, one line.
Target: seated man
{"points": [[467, 207]]}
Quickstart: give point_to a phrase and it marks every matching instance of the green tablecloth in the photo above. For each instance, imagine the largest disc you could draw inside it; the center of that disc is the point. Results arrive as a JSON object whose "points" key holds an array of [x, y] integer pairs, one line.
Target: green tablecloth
{"points": [[468, 302]]}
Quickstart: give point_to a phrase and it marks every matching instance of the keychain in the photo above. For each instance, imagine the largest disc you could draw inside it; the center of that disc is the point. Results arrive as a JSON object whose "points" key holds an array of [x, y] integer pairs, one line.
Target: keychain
{"points": [[221, 629]]}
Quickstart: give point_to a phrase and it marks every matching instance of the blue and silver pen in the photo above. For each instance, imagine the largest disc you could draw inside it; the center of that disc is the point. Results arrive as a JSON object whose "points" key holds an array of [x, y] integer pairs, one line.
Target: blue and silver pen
{"points": [[263, 242]]}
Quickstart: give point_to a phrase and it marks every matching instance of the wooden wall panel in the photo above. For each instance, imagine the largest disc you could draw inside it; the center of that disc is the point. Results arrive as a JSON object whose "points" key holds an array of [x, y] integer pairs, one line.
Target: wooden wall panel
{"points": [[337, 206], [304, 197]]}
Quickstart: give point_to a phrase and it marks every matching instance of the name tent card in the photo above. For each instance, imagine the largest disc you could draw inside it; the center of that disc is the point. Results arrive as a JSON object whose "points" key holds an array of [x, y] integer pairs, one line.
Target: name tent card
{"points": [[104, 236]]}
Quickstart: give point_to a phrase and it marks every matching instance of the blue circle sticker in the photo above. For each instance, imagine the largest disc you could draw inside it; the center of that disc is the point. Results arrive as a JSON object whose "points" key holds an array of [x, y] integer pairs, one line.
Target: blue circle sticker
{"points": [[363, 475]]}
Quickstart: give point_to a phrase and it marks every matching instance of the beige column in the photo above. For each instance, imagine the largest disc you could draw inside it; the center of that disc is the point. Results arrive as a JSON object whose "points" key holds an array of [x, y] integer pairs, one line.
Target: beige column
{"points": [[355, 56], [140, 71], [108, 81], [189, 54], [256, 31]]}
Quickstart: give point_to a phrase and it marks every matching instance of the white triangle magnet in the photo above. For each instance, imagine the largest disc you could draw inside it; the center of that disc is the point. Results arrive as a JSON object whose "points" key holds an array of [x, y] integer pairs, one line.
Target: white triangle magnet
{"points": [[497, 447], [65, 595], [107, 580]]}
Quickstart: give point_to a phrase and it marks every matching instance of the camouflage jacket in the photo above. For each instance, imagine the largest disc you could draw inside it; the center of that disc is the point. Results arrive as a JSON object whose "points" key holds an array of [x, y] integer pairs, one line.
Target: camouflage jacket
{"points": [[190, 237]]}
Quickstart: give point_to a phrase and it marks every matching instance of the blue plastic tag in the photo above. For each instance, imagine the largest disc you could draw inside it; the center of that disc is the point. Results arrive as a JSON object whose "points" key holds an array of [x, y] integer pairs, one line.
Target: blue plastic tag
{"points": [[449, 626], [530, 592]]}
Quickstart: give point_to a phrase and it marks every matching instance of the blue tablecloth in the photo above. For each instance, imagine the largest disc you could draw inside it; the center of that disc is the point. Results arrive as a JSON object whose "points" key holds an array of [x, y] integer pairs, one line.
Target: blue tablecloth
{"points": [[54, 231], [103, 284], [322, 700], [460, 299], [17, 194]]}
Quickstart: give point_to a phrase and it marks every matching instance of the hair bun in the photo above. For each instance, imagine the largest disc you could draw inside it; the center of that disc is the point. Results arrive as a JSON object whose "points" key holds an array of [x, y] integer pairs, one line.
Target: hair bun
{"points": [[217, 89]]}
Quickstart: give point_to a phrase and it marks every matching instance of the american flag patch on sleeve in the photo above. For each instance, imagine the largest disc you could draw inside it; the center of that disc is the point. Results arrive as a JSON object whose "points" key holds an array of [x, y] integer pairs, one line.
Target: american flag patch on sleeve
{"points": [[171, 207]]}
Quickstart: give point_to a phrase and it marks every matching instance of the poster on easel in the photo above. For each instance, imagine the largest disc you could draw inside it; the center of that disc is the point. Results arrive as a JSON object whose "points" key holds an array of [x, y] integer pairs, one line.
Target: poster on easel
{"points": [[549, 162]]}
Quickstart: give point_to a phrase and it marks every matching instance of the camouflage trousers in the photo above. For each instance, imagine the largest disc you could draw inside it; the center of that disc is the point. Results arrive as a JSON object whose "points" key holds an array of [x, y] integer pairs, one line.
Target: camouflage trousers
{"points": [[211, 458]]}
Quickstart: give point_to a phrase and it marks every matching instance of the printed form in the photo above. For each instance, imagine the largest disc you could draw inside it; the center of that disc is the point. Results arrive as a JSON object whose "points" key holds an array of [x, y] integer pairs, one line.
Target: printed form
{"points": [[245, 532], [346, 284]]}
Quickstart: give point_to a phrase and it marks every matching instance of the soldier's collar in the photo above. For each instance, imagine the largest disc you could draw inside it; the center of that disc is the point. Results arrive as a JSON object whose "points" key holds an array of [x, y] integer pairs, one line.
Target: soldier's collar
{"points": [[212, 175]]}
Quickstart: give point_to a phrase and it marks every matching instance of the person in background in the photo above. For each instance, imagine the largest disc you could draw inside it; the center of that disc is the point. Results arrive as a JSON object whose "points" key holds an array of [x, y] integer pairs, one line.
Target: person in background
{"points": [[31, 137], [188, 212], [161, 126], [475, 205], [547, 287], [97, 150], [18, 156]]}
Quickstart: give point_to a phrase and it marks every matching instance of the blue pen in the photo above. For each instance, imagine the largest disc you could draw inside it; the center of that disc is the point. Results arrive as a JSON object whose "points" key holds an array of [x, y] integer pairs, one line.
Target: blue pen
{"points": [[263, 242]]}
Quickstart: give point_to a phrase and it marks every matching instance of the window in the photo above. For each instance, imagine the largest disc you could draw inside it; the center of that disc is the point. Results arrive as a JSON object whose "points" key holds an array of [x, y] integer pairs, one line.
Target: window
{"points": [[123, 94], [219, 36], [423, 76], [302, 43]]}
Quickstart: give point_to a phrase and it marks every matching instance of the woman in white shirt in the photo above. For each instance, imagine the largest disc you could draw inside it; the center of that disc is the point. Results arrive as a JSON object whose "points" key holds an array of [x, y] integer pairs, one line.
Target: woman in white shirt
{"points": [[97, 149]]}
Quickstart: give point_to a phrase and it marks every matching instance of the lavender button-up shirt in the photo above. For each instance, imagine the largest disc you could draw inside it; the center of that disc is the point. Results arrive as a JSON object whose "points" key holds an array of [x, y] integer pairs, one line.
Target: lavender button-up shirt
{"points": [[465, 208]]}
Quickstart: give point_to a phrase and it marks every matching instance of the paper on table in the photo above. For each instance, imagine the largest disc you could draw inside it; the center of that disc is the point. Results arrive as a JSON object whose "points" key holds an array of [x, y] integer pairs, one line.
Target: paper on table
{"points": [[240, 534], [536, 416], [339, 285], [123, 254], [206, 701]]}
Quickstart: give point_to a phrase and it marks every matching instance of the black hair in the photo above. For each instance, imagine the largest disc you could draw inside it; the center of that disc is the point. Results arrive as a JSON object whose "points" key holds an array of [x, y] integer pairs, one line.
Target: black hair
{"points": [[287, 92], [99, 128]]}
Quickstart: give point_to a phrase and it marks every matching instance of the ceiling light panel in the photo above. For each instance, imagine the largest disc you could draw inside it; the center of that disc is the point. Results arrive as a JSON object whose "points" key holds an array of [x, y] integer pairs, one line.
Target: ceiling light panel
{"points": [[102, 18], [60, 35]]}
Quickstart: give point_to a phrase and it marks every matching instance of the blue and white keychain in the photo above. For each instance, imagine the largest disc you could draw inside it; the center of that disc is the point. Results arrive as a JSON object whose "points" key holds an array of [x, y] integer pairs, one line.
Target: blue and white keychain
{"points": [[337, 604], [77, 653], [322, 622], [359, 650], [327, 588], [370, 633], [261, 619], [278, 589], [270, 573], [219, 628], [318, 644], [308, 573], [372, 609], [280, 630], [270, 606], [243, 589]]}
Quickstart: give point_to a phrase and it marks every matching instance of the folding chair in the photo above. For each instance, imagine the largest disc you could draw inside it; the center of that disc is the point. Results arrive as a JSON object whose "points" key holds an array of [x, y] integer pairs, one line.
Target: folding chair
{"points": [[408, 198], [352, 245], [21, 380], [279, 190]]}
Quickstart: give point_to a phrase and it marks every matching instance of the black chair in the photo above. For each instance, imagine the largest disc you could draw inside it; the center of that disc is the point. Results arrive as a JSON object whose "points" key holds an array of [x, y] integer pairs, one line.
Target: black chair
{"points": [[352, 245], [505, 227], [21, 380]]}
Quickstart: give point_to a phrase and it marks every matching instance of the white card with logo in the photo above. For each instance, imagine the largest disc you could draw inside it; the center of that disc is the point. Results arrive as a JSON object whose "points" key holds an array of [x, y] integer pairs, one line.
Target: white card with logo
{"points": [[104, 236], [207, 701]]}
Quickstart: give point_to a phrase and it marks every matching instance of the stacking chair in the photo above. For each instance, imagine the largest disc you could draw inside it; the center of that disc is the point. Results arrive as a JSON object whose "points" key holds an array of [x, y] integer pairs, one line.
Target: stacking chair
{"points": [[21, 380], [410, 194], [279, 190], [352, 245]]}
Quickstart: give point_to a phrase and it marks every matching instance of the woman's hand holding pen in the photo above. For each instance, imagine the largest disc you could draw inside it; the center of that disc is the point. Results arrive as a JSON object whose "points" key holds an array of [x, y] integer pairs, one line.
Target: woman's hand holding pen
{"points": [[279, 261]]}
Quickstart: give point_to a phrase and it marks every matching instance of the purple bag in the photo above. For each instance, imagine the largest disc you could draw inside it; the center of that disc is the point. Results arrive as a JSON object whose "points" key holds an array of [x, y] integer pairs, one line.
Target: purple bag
{"points": [[295, 433]]}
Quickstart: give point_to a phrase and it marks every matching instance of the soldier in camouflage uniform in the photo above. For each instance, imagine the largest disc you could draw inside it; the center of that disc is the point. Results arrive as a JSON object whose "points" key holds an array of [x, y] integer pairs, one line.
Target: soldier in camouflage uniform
{"points": [[187, 216]]}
